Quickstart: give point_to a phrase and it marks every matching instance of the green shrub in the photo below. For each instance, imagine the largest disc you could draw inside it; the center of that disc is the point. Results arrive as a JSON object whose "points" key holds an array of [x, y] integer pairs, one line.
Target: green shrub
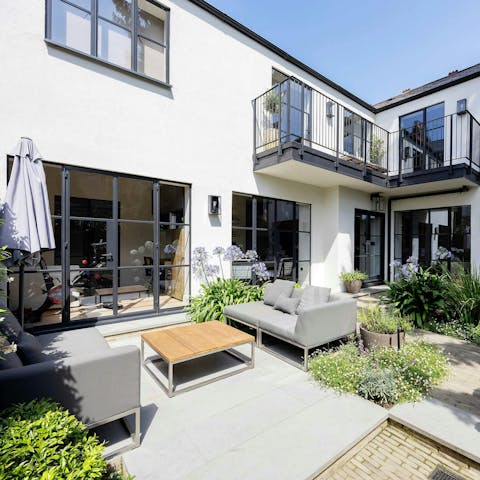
{"points": [[380, 320], [455, 328], [420, 296], [213, 298], [475, 335], [463, 296], [378, 385], [351, 276], [40, 440], [415, 369]]}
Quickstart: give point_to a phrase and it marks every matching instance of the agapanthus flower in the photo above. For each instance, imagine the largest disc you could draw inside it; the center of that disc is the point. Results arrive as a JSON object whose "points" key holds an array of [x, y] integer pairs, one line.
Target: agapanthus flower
{"points": [[218, 251], [211, 270], [233, 254], [442, 254], [260, 271], [251, 255]]}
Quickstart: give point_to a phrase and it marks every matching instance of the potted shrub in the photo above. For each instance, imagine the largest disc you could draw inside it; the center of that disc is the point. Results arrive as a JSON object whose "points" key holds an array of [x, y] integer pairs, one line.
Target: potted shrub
{"points": [[353, 280], [382, 327]]}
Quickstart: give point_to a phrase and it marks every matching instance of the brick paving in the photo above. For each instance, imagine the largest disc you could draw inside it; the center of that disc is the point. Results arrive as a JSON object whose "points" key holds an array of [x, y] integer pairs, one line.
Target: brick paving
{"points": [[393, 452]]}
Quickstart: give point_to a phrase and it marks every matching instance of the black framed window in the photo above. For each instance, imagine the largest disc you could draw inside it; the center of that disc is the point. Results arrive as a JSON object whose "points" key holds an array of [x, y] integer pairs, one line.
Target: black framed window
{"points": [[357, 135], [129, 34], [429, 234], [279, 230]]}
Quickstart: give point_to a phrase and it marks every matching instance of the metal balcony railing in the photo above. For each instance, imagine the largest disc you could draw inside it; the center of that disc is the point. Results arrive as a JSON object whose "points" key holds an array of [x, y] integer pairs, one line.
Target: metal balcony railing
{"points": [[292, 112]]}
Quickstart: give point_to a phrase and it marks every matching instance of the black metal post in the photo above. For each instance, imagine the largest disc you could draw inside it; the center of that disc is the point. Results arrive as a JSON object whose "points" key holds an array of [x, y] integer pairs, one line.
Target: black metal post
{"points": [[21, 294]]}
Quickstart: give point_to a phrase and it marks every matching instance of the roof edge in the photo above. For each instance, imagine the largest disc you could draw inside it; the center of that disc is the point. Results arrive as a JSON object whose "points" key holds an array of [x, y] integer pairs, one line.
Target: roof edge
{"points": [[281, 53]]}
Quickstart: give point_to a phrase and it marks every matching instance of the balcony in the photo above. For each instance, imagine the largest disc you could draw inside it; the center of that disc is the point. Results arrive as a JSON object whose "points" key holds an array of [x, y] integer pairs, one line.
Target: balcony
{"points": [[302, 134]]}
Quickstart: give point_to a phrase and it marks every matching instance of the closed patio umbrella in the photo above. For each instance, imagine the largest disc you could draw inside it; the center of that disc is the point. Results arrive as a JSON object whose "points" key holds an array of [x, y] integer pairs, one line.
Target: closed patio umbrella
{"points": [[27, 227]]}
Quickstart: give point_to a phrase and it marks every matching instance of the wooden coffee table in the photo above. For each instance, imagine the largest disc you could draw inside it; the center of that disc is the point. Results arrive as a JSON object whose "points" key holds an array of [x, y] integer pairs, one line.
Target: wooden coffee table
{"points": [[183, 343]]}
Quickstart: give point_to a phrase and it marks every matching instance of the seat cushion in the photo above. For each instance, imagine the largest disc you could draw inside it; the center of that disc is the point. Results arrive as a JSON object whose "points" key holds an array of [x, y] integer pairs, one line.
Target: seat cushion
{"points": [[74, 342], [249, 313], [286, 304], [279, 323], [29, 349], [276, 288], [313, 296], [10, 327]]}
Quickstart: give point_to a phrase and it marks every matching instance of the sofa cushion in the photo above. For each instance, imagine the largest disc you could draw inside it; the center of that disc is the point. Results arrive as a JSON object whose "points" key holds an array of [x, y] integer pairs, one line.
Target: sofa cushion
{"points": [[278, 323], [276, 288], [10, 327], [249, 313], [10, 360], [313, 296], [29, 349], [297, 293], [286, 304], [74, 342]]}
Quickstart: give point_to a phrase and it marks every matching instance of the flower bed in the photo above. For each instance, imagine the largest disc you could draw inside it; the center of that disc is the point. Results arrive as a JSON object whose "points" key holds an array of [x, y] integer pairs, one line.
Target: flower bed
{"points": [[383, 375]]}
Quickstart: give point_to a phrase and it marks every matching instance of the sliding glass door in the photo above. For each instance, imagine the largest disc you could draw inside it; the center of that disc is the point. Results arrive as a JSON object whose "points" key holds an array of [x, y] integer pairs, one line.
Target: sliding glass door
{"points": [[123, 248]]}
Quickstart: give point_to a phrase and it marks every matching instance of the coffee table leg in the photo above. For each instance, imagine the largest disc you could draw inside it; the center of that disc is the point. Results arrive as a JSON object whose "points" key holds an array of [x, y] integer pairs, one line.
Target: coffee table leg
{"points": [[170, 379], [252, 357]]}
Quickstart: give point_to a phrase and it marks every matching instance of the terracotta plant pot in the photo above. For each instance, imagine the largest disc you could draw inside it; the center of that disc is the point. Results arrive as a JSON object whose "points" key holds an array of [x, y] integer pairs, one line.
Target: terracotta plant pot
{"points": [[373, 339], [354, 286]]}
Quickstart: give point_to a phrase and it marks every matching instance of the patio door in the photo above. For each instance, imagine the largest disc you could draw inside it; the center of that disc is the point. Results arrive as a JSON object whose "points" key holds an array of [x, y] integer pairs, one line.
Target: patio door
{"points": [[370, 244]]}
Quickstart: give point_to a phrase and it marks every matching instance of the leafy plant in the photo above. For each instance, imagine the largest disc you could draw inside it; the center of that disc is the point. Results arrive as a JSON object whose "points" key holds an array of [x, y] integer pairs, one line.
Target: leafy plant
{"points": [[215, 296], [463, 296], [455, 328], [381, 320], [419, 295], [377, 150], [271, 102], [415, 369], [378, 385], [351, 276], [40, 440]]}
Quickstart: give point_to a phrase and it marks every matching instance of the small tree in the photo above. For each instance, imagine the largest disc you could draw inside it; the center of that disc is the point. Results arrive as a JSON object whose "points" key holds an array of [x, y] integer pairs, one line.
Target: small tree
{"points": [[377, 151]]}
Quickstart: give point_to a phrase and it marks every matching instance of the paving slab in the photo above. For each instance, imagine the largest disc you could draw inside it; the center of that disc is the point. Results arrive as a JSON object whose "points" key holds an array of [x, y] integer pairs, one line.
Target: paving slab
{"points": [[272, 421], [457, 429]]}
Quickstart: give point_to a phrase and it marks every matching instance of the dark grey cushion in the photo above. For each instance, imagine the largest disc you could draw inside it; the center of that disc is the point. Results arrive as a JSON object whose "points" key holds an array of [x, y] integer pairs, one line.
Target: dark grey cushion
{"points": [[9, 360], [29, 349], [286, 304], [278, 287], [313, 296], [10, 327]]}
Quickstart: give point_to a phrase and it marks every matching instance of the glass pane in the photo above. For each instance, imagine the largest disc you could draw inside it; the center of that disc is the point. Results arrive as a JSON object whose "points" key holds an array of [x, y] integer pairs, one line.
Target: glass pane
{"points": [[70, 26], [173, 203], [117, 11], [286, 245], [135, 199], [135, 290], [42, 296], [151, 21], [265, 248], [242, 211], [53, 175], [135, 244], [304, 246], [91, 294], [242, 239], [151, 59], [92, 244], [174, 245], [174, 287], [265, 212], [114, 44], [90, 194], [285, 215], [303, 216]]}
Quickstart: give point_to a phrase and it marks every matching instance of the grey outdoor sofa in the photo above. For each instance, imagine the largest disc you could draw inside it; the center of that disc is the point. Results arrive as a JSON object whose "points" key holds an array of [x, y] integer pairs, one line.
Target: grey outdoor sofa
{"points": [[76, 369], [321, 319]]}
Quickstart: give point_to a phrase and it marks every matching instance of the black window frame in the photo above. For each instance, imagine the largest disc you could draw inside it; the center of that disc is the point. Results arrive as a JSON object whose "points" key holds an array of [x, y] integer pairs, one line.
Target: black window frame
{"points": [[365, 136], [135, 36]]}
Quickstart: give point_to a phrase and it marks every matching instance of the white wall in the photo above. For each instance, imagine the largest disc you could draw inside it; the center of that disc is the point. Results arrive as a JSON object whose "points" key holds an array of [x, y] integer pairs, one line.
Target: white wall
{"points": [[82, 113]]}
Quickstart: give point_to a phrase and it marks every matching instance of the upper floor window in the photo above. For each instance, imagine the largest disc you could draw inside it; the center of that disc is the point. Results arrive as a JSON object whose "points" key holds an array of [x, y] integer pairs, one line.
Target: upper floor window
{"points": [[131, 34]]}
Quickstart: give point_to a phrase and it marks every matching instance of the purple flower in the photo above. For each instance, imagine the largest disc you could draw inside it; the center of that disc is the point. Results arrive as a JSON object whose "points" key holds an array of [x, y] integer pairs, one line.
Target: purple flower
{"points": [[233, 254], [200, 255], [211, 270], [218, 251], [442, 254], [260, 271], [251, 255], [396, 264]]}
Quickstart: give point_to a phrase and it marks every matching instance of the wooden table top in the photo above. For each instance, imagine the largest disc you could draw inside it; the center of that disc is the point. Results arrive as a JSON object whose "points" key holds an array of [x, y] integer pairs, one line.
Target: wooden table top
{"points": [[184, 342]]}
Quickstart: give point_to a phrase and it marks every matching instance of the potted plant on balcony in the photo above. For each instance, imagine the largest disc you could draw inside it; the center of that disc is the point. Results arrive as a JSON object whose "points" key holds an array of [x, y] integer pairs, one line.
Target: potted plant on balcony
{"points": [[353, 280], [271, 107], [381, 327], [377, 152]]}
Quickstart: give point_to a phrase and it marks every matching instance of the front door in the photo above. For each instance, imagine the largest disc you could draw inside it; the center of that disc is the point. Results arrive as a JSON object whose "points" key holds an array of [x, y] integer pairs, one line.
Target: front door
{"points": [[370, 244]]}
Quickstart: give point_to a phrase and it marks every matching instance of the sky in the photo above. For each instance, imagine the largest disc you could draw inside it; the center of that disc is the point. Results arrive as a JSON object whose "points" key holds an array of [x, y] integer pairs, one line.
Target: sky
{"points": [[373, 48]]}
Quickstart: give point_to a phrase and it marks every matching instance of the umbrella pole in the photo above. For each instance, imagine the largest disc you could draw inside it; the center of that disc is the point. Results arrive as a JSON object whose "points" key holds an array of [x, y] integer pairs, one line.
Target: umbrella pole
{"points": [[21, 293]]}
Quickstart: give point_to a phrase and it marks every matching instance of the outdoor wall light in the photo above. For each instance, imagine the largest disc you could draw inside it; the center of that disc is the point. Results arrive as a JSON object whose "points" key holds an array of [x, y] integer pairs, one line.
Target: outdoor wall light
{"points": [[330, 112], [214, 205], [462, 106]]}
